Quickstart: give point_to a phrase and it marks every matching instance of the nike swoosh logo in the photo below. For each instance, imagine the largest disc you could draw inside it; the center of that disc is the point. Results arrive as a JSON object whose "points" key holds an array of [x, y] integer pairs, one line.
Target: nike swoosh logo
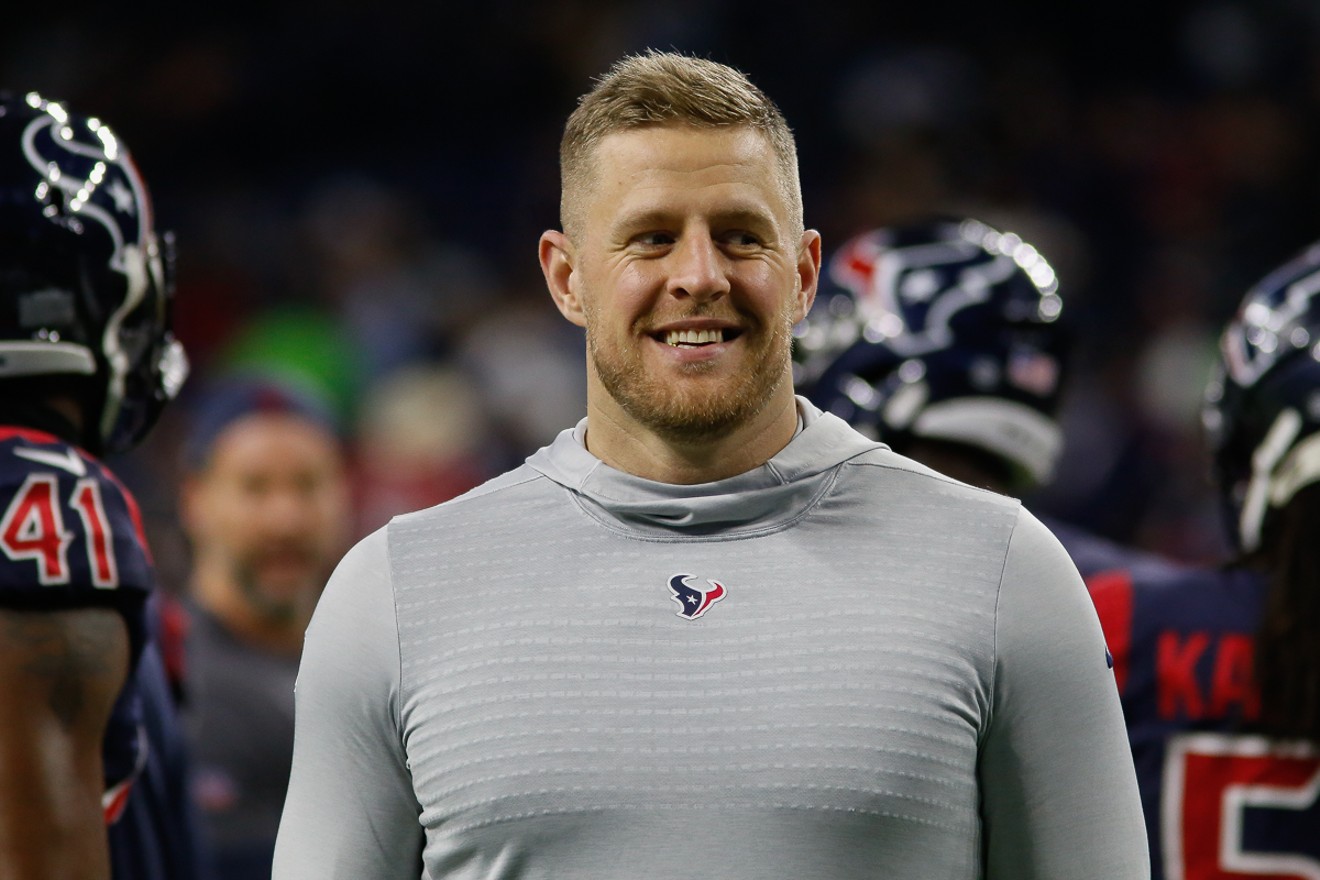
{"points": [[67, 460]]}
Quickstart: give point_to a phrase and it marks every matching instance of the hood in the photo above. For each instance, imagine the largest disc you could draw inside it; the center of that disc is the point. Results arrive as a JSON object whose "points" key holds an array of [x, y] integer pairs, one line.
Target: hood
{"points": [[762, 499]]}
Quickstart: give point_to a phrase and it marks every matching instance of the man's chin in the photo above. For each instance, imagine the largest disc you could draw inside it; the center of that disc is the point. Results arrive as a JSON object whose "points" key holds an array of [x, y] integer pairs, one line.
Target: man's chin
{"points": [[692, 424], [698, 402], [701, 414], [281, 598]]}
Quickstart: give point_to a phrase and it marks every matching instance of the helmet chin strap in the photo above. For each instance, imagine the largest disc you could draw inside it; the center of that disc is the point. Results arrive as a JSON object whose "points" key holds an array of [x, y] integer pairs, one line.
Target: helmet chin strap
{"points": [[1299, 469], [1275, 480]]}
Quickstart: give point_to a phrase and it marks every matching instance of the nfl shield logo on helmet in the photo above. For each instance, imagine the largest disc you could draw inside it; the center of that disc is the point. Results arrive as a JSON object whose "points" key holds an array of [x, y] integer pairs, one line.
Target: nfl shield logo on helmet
{"points": [[693, 601]]}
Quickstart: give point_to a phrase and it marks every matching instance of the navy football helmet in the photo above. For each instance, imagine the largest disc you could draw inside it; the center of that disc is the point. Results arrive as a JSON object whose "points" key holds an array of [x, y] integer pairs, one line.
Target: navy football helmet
{"points": [[85, 281], [946, 330], [1262, 404]]}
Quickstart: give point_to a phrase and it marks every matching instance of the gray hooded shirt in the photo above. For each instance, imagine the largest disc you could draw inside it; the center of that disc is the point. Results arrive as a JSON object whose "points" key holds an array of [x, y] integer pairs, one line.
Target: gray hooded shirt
{"points": [[837, 665]]}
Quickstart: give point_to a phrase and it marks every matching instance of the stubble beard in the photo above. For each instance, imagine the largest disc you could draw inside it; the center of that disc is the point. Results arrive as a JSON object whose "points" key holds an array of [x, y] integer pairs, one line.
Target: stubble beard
{"points": [[696, 411], [282, 607]]}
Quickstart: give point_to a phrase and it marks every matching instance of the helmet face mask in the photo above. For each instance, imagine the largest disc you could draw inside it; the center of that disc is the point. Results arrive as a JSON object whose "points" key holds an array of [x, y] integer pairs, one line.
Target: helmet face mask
{"points": [[86, 283], [944, 330], [1261, 409]]}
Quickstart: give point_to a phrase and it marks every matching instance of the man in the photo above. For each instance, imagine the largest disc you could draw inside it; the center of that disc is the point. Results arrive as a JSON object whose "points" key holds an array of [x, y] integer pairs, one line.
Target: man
{"points": [[265, 507], [943, 337], [88, 738], [1219, 669], [711, 631]]}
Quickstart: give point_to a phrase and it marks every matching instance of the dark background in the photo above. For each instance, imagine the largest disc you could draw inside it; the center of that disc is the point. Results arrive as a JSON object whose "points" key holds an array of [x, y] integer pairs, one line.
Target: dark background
{"points": [[357, 190]]}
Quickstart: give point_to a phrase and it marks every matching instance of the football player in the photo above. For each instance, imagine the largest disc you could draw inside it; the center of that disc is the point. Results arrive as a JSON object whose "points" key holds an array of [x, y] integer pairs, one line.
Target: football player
{"points": [[873, 671], [943, 338], [1219, 669], [87, 360]]}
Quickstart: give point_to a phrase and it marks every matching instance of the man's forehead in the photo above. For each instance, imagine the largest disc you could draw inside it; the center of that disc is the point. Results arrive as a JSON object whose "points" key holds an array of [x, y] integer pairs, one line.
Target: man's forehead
{"points": [[652, 163], [681, 147], [270, 439], [727, 171]]}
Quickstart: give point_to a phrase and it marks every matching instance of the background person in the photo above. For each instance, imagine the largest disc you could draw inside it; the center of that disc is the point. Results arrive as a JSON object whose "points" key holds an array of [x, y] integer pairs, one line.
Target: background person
{"points": [[91, 760], [978, 113], [1219, 668], [946, 339], [710, 631], [265, 507]]}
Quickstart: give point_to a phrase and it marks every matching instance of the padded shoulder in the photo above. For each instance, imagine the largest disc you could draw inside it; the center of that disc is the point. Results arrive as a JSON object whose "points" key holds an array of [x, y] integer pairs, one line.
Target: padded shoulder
{"points": [[70, 533]]}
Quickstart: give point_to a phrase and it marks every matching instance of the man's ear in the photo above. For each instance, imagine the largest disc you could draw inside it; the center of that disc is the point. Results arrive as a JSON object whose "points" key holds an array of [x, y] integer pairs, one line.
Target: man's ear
{"points": [[808, 270], [557, 258]]}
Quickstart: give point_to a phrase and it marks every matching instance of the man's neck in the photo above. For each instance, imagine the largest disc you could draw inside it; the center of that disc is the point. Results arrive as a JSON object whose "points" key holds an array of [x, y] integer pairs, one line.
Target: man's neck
{"points": [[624, 445]]}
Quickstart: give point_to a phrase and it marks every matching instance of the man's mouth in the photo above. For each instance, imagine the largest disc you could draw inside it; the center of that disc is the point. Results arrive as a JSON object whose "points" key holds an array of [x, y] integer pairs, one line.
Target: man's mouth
{"points": [[696, 337]]}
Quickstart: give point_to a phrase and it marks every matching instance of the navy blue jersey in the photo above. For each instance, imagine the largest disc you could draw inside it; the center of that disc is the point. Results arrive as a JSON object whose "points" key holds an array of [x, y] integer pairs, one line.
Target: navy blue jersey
{"points": [[1220, 803], [158, 835], [1092, 553], [71, 537]]}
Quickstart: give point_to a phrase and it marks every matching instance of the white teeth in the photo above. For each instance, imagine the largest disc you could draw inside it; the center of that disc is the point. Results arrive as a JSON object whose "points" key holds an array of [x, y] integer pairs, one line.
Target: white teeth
{"points": [[693, 337]]}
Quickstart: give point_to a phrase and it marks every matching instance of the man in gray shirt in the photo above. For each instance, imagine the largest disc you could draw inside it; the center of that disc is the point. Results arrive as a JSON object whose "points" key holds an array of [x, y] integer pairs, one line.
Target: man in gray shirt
{"points": [[711, 631]]}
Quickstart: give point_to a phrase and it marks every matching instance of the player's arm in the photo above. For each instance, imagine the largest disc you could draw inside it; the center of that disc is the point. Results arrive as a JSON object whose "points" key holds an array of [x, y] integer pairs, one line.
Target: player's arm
{"points": [[350, 812], [60, 674], [1059, 792]]}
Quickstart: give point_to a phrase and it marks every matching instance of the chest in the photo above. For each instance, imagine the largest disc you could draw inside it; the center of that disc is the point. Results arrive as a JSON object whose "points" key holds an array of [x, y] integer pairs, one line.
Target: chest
{"points": [[661, 678]]}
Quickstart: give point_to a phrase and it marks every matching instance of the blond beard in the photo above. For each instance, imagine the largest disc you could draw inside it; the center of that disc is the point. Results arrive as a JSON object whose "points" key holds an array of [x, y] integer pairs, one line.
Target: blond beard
{"points": [[695, 414]]}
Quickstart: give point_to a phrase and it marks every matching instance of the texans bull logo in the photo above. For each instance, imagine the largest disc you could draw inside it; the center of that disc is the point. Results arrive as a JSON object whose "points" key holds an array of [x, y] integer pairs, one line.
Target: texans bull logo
{"points": [[694, 602], [923, 288], [99, 180], [1266, 327]]}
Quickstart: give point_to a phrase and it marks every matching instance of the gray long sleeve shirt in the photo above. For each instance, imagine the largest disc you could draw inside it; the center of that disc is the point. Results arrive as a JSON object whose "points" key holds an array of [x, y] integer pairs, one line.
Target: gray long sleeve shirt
{"points": [[838, 665]]}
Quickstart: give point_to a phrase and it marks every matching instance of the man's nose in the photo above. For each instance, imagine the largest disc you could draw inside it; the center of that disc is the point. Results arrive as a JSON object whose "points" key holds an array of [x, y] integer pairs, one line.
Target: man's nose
{"points": [[287, 509], [699, 270]]}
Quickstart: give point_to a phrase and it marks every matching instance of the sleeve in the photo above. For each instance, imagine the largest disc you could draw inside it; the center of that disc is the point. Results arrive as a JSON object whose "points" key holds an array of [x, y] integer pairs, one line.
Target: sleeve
{"points": [[350, 812], [1059, 792], [71, 534]]}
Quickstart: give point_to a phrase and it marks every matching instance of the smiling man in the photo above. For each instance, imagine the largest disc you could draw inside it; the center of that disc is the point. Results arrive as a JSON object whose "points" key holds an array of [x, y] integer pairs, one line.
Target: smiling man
{"points": [[688, 266], [873, 670]]}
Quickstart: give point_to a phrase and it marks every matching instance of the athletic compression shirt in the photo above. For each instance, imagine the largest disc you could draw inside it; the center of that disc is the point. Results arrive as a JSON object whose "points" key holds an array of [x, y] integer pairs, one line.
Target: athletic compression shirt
{"points": [[837, 665]]}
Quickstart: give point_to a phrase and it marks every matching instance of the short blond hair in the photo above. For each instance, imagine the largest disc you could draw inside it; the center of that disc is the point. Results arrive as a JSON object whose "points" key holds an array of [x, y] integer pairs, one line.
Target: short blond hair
{"points": [[658, 88]]}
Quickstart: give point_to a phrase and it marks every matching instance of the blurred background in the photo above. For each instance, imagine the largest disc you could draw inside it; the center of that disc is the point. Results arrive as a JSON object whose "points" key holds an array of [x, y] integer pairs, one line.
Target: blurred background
{"points": [[357, 190]]}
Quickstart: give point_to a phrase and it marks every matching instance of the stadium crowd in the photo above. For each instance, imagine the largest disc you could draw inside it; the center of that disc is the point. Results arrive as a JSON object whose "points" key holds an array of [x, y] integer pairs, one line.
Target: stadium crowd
{"points": [[354, 187]]}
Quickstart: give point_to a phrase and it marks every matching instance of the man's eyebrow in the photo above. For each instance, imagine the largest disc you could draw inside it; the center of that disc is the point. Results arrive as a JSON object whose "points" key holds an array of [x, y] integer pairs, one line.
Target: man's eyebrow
{"points": [[646, 218], [658, 218], [741, 215]]}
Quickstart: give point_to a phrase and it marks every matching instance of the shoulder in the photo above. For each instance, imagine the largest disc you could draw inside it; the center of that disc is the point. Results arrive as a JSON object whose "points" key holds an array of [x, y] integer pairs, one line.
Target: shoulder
{"points": [[495, 494], [494, 519], [894, 485], [884, 463], [1036, 541], [1095, 554], [359, 594], [907, 512], [69, 531]]}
